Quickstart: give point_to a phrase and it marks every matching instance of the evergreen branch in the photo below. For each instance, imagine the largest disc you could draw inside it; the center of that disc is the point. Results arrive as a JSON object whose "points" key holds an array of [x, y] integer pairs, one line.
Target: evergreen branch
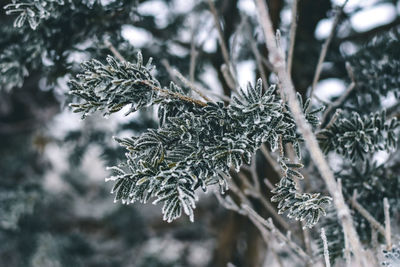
{"points": [[357, 136], [32, 11], [300, 206]]}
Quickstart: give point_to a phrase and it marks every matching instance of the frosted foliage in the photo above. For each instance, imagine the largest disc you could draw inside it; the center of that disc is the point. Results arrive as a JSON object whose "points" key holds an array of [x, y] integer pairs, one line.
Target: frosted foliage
{"points": [[196, 144], [32, 11]]}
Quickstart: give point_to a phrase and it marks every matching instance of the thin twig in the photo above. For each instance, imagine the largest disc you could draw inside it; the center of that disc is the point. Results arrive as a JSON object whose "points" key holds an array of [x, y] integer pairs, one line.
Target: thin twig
{"points": [[310, 139], [347, 251], [374, 223], [113, 50], [259, 61], [326, 251], [174, 95], [338, 102], [343, 97], [268, 184], [388, 234], [271, 227], [324, 49], [228, 77], [270, 159], [254, 175], [190, 85], [174, 73], [193, 57], [267, 205], [293, 28], [224, 47], [168, 68]]}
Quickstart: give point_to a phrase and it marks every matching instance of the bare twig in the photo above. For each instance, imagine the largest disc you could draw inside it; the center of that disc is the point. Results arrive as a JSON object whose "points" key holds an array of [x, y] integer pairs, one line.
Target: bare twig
{"points": [[228, 77], [267, 64], [268, 224], [374, 223], [187, 83], [113, 50], [174, 73], [343, 97], [326, 251], [347, 251], [168, 68], [338, 102], [259, 61], [310, 139], [270, 159], [293, 28], [324, 49], [268, 184], [254, 175], [173, 94], [193, 57], [267, 205], [386, 208], [224, 47]]}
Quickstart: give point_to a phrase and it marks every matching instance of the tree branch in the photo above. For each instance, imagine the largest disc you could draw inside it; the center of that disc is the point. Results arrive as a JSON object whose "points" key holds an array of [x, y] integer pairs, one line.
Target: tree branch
{"points": [[304, 127], [293, 28]]}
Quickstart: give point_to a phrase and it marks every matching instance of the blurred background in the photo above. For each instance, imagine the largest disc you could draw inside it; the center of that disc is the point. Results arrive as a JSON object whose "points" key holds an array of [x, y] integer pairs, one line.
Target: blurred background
{"points": [[55, 207]]}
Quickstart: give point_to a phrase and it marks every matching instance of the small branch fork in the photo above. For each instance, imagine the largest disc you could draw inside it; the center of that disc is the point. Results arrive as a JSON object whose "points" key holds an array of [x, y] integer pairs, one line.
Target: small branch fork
{"points": [[277, 59]]}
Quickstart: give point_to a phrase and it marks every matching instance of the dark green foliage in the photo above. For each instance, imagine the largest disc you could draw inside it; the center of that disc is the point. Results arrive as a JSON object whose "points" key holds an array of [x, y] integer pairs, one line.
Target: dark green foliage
{"points": [[195, 145], [32, 11], [376, 66], [48, 47], [357, 136], [300, 206], [112, 87], [334, 236], [373, 182]]}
